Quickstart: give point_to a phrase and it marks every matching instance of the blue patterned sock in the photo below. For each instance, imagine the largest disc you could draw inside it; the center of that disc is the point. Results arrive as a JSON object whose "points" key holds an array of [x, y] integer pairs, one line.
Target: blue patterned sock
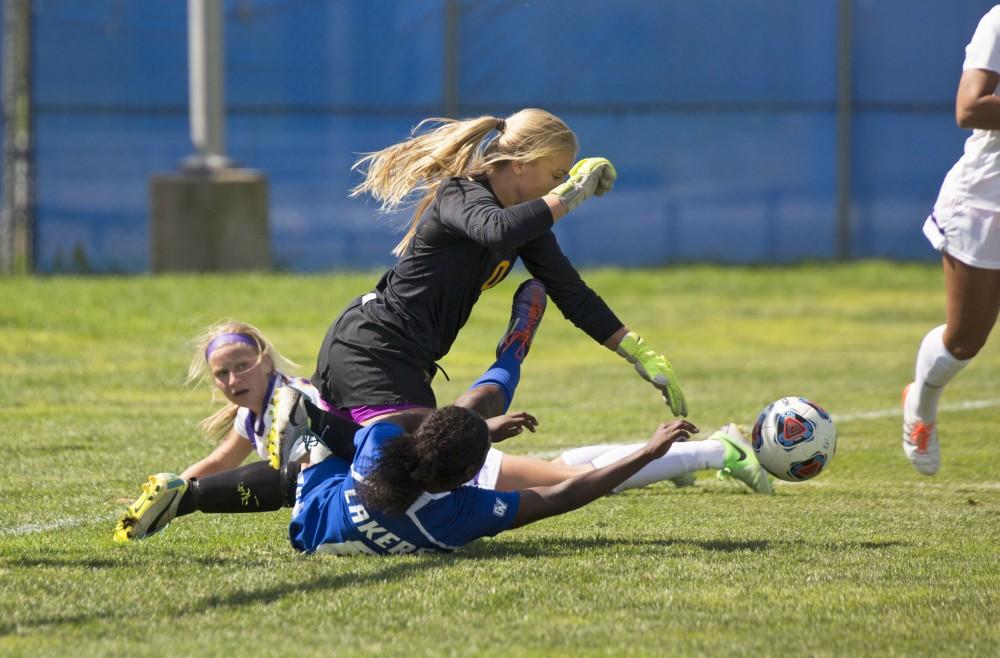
{"points": [[505, 373]]}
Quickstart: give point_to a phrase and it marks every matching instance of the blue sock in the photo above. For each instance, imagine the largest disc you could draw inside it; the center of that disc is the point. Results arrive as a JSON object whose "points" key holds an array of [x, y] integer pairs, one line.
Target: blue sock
{"points": [[505, 373]]}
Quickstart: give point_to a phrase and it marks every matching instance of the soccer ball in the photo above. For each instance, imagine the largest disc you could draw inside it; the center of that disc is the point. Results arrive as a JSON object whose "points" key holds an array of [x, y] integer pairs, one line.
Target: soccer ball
{"points": [[794, 439]]}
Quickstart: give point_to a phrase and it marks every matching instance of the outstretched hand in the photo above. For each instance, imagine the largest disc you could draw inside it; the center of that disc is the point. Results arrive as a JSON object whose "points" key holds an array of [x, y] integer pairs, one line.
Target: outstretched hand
{"points": [[588, 177], [655, 369], [508, 425], [667, 434]]}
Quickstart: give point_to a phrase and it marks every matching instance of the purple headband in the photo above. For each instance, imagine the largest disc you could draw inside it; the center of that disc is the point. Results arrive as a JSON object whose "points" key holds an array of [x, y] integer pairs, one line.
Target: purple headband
{"points": [[226, 339]]}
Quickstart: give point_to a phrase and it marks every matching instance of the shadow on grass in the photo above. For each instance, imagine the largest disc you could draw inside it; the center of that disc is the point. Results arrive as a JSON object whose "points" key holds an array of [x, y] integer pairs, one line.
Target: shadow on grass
{"points": [[59, 562], [556, 546], [394, 569]]}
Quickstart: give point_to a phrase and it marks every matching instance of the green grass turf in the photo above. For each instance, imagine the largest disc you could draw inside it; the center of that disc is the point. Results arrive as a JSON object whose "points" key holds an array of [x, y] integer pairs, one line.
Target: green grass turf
{"points": [[869, 559]]}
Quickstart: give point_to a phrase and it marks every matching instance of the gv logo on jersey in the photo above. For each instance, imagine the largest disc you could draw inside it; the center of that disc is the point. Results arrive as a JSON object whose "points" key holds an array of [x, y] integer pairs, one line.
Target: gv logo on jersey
{"points": [[499, 272]]}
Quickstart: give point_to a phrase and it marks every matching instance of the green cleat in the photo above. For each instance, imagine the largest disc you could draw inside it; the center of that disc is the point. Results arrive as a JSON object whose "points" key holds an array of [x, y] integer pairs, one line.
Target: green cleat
{"points": [[153, 510], [741, 463]]}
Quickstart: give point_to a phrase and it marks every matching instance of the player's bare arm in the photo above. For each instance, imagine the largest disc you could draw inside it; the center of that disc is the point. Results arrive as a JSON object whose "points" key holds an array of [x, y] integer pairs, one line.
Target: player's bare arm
{"points": [[975, 105], [541, 502]]}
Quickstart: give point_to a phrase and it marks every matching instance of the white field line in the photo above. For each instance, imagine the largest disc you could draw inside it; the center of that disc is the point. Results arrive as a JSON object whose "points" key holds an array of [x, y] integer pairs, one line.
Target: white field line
{"points": [[57, 524], [897, 411], [69, 522], [837, 418]]}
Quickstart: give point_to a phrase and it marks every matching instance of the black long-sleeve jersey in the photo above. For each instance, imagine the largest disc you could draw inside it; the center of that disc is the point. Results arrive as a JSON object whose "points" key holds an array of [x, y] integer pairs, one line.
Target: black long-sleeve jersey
{"points": [[465, 243]]}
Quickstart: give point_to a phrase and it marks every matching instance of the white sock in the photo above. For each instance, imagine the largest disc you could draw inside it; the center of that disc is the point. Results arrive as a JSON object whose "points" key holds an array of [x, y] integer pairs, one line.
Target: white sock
{"points": [[935, 368], [587, 454], [685, 457]]}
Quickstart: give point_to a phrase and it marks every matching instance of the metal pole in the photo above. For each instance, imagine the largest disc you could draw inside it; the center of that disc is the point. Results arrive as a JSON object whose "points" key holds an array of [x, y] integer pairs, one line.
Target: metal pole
{"points": [[17, 216], [452, 16], [206, 84], [844, 120]]}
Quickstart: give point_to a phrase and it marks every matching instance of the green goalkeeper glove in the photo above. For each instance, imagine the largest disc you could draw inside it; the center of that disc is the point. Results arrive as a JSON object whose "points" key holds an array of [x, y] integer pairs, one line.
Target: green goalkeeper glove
{"points": [[655, 369], [588, 177]]}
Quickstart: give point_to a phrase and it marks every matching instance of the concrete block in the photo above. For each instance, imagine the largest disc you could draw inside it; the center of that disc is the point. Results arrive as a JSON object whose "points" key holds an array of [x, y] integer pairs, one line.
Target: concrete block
{"points": [[213, 221]]}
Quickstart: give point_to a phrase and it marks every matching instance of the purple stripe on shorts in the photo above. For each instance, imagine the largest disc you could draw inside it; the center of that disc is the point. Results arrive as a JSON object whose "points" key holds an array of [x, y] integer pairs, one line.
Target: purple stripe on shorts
{"points": [[938, 226], [363, 413]]}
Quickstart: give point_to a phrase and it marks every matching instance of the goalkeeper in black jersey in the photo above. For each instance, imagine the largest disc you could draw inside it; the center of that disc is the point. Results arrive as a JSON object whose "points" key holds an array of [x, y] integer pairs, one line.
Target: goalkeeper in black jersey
{"points": [[491, 191]]}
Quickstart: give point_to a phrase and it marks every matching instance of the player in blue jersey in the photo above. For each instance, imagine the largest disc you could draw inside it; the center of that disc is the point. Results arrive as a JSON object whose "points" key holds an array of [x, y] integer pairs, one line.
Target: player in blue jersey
{"points": [[406, 492], [249, 371]]}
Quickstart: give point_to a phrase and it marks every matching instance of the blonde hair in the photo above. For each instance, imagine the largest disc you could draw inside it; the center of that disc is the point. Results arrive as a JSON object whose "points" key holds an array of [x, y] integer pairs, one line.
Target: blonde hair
{"points": [[443, 148], [217, 425]]}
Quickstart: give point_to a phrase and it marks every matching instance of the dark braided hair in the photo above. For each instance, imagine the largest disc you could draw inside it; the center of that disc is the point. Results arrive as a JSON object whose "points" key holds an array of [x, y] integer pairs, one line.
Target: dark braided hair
{"points": [[449, 442]]}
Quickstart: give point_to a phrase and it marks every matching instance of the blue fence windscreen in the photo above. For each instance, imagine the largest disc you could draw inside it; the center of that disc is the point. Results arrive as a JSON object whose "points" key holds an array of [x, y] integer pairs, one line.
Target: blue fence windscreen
{"points": [[721, 116]]}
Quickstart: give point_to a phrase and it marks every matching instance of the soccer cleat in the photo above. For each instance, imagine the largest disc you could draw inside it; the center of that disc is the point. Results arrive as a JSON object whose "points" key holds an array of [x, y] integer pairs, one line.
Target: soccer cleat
{"points": [[740, 462], [525, 314], [290, 436], [920, 441], [153, 510]]}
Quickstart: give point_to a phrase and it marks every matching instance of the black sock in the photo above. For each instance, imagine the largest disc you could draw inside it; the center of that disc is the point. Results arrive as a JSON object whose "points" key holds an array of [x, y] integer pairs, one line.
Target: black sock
{"points": [[335, 432], [254, 487]]}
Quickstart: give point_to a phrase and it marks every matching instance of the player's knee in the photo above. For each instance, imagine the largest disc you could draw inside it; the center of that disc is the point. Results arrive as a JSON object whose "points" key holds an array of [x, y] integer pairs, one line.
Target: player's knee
{"points": [[964, 346]]}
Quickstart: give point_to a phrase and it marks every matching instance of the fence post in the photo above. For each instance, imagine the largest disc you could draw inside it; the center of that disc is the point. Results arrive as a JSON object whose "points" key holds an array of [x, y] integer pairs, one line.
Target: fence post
{"points": [[210, 215], [845, 119], [17, 244], [452, 17]]}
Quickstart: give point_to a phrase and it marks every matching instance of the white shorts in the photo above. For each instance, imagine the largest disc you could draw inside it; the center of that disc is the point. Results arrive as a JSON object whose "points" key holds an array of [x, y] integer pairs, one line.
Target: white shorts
{"points": [[971, 235], [487, 476]]}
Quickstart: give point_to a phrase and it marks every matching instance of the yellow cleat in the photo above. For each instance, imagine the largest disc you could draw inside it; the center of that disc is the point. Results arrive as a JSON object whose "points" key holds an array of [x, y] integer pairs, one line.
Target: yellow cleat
{"points": [[153, 510]]}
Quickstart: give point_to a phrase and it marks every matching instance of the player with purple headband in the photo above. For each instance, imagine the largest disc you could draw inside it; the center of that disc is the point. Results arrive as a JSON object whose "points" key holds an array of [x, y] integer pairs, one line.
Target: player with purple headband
{"points": [[253, 376], [248, 370]]}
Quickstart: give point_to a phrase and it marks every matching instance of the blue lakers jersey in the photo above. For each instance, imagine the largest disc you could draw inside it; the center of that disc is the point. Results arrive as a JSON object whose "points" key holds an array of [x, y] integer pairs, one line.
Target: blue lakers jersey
{"points": [[329, 516]]}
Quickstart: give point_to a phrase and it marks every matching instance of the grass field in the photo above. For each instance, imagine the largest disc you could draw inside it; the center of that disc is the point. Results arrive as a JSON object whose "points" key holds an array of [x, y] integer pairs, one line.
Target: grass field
{"points": [[869, 559]]}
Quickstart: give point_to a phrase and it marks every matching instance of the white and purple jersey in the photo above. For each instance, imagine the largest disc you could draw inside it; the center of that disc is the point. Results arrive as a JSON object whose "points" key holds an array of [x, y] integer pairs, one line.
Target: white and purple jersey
{"points": [[329, 517], [254, 428]]}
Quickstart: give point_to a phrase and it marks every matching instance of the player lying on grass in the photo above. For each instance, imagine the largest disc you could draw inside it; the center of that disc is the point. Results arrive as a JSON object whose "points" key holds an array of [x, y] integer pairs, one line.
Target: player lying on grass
{"points": [[405, 492], [242, 363]]}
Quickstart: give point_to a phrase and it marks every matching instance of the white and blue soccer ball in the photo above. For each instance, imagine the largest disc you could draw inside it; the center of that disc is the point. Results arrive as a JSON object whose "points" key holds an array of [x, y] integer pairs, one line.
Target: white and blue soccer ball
{"points": [[794, 439]]}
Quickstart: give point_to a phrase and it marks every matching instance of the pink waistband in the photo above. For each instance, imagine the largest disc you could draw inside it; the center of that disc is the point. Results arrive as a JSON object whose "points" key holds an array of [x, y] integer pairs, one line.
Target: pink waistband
{"points": [[363, 413]]}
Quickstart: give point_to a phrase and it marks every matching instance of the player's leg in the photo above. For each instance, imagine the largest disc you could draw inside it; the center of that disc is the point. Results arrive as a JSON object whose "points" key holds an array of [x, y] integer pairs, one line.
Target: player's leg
{"points": [[725, 450], [518, 472], [492, 393], [253, 487], [972, 303], [249, 488]]}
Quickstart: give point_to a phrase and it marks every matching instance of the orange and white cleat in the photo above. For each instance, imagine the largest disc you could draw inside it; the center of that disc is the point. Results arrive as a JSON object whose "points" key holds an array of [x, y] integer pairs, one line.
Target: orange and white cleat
{"points": [[920, 441]]}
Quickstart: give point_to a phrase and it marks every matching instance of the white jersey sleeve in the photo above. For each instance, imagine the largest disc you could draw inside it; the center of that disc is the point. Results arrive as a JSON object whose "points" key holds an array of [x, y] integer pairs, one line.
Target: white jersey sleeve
{"points": [[240, 422], [983, 52]]}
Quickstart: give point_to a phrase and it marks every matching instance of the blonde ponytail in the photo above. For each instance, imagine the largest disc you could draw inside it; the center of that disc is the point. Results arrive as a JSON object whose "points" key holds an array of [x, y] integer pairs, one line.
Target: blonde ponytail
{"points": [[439, 149]]}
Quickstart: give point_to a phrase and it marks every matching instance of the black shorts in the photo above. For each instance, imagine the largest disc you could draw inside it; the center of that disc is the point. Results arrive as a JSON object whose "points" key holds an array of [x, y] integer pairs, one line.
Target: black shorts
{"points": [[363, 363]]}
